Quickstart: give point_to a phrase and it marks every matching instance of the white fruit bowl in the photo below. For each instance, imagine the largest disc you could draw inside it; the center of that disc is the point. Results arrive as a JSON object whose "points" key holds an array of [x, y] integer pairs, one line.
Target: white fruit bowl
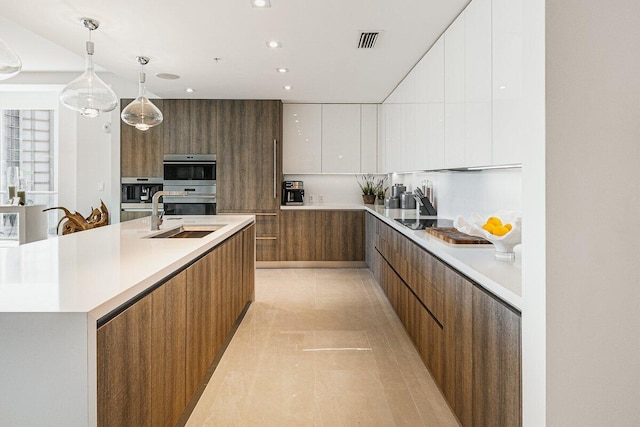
{"points": [[504, 245]]}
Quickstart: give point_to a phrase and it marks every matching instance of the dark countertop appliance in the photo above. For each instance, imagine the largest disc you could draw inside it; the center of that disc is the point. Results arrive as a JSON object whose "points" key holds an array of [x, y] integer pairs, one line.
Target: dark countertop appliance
{"points": [[293, 193]]}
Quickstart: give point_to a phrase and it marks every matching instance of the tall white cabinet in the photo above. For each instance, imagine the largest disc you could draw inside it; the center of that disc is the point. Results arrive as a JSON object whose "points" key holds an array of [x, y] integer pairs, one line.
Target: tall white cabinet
{"points": [[462, 105], [330, 138]]}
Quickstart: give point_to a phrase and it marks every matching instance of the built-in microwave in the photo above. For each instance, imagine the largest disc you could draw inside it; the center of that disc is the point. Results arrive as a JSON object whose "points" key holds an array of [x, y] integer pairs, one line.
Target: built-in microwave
{"points": [[195, 174], [190, 169]]}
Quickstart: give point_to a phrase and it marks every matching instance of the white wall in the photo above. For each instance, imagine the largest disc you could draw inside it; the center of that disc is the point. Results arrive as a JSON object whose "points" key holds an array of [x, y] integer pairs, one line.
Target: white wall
{"points": [[335, 188], [592, 212], [88, 156]]}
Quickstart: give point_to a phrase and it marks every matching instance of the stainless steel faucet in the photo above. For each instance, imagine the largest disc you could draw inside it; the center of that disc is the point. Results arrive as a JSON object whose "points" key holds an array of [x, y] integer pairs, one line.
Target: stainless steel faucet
{"points": [[156, 219]]}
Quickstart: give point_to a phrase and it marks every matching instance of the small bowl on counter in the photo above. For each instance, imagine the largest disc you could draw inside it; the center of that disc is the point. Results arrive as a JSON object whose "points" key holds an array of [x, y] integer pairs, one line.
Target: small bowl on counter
{"points": [[473, 225]]}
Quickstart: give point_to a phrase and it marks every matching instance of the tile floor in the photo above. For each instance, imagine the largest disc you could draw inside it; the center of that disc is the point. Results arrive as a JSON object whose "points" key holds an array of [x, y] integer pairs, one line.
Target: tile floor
{"points": [[320, 347]]}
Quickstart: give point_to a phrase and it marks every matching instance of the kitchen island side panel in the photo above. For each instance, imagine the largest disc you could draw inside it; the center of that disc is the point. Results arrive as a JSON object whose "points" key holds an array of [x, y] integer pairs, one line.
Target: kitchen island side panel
{"points": [[45, 365]]}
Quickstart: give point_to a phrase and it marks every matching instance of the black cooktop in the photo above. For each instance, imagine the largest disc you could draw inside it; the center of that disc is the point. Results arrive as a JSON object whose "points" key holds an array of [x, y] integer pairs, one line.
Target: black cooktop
{"points": [[421, 224]]}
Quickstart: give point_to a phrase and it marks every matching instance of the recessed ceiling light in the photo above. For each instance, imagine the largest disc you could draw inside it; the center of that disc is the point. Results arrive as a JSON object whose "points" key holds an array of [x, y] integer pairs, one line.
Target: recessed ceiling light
{"points": [[274, 44], [167, 76], [287, 87], [260, 3], [190, 90], [282, 70]]}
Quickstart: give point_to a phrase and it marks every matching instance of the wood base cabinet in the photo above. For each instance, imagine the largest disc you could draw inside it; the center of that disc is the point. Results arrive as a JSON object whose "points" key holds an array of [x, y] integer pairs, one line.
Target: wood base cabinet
{"points": [[155, 354], [322, 235], [467, 338]]}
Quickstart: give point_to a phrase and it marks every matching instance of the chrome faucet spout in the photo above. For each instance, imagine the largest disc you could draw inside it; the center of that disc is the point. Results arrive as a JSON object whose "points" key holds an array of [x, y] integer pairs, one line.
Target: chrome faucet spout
{"points": [[156, 219]]}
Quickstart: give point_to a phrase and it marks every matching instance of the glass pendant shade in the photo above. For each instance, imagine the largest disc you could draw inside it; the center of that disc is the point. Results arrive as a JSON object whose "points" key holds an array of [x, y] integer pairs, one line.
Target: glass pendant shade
{"points": [[88, 94], [141, 112], [10, 64]]}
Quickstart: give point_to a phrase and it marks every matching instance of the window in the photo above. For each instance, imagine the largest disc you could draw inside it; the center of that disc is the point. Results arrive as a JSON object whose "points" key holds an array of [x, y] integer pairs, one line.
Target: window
{"points": [[27, 152]]}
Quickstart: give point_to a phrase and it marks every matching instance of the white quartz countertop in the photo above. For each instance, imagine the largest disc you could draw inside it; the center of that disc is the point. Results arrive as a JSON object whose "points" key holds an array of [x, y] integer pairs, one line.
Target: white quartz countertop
{"points": [[477, 262], [95, 271]]}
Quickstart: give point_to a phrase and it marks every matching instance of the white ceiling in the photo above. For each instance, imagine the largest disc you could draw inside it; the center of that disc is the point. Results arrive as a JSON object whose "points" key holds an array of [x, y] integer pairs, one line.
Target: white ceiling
{"points": [[318, 39]]}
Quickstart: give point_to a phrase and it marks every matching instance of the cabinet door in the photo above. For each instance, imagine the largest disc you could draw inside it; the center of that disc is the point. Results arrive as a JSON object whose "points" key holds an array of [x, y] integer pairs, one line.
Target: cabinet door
{"points": [[369, 138], [340, 138], [168, 327], [124, 367], [141, 151], [477, 89], [496, 362], [227, 279], [249, 156], [434, 113], [201, 347], [302, 138], [249, 264], [393, 137], [129, 215], [202, 116], [177, 126], [300, 235], [509, 116], [342, 235], [457, 349], [454, 56]]}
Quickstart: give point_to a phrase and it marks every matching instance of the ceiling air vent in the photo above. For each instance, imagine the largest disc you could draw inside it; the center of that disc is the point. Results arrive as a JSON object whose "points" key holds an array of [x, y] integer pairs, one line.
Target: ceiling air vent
{"points": [[368, 40]]}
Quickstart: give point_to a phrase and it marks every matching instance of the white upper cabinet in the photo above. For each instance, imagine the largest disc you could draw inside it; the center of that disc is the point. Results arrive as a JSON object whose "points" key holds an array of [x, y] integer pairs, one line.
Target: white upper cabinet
{"points": [[454, 82], [508, 91], [369, 138], [330, 138], [302, 138], [477, 84], [340, 138], [435, 106]]}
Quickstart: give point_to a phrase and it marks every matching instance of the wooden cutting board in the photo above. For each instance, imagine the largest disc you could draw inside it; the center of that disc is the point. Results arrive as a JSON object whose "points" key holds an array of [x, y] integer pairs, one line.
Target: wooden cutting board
{"points": [[453, 236]]}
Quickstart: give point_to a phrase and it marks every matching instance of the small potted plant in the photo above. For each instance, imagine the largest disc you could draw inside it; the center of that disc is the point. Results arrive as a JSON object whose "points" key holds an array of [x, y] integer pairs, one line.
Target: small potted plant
{"points": [[381, 190], [367, 183]]}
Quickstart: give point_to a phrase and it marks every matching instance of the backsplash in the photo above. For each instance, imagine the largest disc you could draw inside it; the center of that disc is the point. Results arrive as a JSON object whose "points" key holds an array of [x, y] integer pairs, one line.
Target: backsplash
{"points": [[463, 193], [456, 193]]}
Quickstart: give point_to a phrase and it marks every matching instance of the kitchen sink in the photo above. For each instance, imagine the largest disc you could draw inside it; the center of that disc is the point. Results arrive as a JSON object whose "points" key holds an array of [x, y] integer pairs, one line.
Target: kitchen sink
{"points": [[188, 232]]}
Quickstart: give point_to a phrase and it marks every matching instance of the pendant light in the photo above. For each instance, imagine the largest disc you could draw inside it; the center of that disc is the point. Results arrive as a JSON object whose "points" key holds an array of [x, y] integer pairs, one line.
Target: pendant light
{"points": [[88, 94], [10, 64], [141, 112]]}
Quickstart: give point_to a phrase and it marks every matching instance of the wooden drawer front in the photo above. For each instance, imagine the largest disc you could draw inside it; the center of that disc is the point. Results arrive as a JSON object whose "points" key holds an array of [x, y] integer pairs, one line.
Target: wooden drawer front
{"points": [[421, 271], [267, 249], [267, 224]]}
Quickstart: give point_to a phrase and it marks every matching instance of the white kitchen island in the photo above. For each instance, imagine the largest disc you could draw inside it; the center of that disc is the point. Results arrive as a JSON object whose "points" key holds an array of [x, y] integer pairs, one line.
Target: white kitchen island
{"points": [[52, 294]]}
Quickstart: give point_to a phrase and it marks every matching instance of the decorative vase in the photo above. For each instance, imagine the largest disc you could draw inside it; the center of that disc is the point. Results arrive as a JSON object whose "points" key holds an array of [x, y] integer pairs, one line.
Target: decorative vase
{"points": [[368, 198]]}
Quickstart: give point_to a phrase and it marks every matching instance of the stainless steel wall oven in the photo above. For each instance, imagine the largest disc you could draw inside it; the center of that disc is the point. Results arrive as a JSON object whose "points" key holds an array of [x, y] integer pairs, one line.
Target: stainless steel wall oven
{"points": [[196, 174]]}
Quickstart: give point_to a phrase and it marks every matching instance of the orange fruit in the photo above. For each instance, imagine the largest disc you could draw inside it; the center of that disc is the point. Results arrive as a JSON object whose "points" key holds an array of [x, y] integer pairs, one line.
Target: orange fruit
{"points": [[488, 227], [495, 221], [500, 230]]}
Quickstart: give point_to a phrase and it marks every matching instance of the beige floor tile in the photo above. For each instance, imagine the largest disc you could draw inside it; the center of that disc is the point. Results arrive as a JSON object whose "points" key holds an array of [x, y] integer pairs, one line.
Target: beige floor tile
{"points": [[320, 347]]}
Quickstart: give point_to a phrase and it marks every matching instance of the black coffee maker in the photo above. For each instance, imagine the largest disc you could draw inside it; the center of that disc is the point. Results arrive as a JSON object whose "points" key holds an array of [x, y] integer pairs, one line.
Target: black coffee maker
{"points": [[292, 193]]}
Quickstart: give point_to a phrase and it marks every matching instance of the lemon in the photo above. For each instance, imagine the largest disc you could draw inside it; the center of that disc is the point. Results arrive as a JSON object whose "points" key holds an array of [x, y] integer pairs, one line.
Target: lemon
{"points": [[495, 221], [500, 230], [488, 227], [509, 226]]}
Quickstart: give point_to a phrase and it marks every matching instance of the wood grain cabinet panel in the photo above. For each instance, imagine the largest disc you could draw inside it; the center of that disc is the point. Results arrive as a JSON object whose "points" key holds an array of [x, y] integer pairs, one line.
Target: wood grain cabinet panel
{"points": [[168, 364], [201, 308], [249, 264], [497, 388], [468, 339], [319, 235], [458, 341], [249, 170], [190, 126], [124, 367], [141, 151]]}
